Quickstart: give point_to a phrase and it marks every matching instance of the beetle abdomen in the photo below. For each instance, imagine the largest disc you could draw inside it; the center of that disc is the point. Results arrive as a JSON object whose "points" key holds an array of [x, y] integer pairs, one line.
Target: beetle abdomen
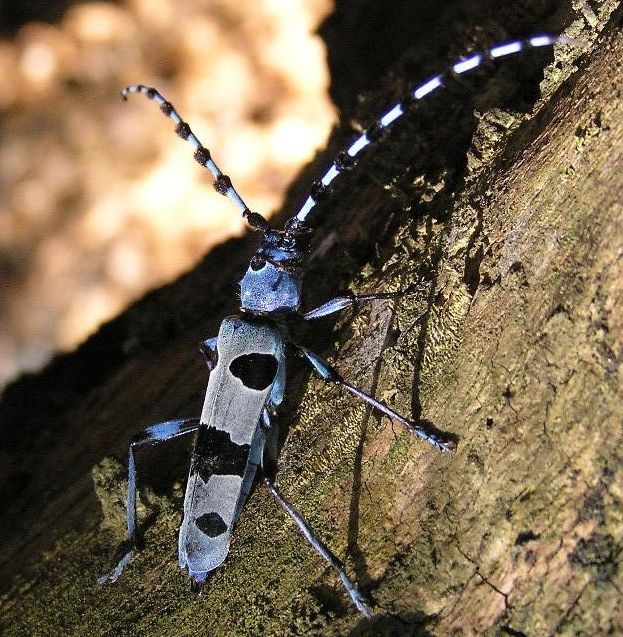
{"points": [[229, 442]]}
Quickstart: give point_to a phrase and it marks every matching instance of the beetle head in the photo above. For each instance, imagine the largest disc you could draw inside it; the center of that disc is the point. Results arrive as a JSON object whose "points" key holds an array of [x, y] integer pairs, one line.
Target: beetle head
{"points": [[272, 282]]}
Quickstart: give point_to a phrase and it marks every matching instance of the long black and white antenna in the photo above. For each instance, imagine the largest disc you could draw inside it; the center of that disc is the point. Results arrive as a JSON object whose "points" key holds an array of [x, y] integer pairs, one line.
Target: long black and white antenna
{"points": [[348, 157], [222, 183]]}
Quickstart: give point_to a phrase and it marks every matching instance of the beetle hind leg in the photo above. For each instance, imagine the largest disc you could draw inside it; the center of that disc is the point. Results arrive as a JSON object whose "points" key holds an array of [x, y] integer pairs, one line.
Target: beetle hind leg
{"points": [[320, 548]]}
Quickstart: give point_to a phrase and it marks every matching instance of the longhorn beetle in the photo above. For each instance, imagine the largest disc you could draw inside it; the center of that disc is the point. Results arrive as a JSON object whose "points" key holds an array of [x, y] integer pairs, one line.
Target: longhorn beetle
{"points": [[247, 360]]}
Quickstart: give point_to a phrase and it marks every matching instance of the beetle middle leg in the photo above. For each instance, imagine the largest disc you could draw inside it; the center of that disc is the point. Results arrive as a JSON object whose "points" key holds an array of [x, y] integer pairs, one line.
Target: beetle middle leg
{"points": [[154, 434], [328, 373]]}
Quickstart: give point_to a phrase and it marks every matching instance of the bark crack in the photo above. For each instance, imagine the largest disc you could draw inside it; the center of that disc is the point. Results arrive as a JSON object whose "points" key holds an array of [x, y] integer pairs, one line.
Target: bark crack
{"points": [[483, 577]]}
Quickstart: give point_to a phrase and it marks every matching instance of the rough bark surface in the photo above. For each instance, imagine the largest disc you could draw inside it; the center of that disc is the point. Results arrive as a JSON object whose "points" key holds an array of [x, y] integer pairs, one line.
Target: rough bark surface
{"points": [[516, 350]]}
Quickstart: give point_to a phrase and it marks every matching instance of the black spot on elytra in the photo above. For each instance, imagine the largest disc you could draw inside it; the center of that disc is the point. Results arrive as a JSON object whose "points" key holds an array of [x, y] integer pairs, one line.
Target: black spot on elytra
{"points": [[216, 454], [256, 371], [212, 524]]}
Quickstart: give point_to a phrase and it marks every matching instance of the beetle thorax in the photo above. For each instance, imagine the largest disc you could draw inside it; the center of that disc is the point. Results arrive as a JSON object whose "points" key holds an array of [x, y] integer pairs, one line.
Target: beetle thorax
{"points": [[272, 282]]}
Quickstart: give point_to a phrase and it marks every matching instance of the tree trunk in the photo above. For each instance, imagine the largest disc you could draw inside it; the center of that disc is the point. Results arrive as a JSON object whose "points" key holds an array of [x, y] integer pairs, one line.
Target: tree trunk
{"points": [[515, 350]]}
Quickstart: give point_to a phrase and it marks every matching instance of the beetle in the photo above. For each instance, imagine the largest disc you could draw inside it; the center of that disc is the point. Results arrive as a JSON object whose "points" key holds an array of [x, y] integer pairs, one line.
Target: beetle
{"points": [[236, 435]]}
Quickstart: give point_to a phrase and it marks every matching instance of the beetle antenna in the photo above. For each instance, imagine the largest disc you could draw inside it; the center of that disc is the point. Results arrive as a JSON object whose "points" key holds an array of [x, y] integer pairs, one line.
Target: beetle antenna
{"points": [[222, 183], [347, 158]]}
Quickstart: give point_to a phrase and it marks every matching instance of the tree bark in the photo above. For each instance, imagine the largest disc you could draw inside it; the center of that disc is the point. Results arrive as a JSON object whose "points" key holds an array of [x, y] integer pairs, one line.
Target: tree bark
{"points": [[515, 349]]}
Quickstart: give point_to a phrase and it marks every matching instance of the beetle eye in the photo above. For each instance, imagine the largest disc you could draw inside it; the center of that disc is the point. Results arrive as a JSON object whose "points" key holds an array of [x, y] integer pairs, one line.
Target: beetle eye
{"points": [[257, 263]]}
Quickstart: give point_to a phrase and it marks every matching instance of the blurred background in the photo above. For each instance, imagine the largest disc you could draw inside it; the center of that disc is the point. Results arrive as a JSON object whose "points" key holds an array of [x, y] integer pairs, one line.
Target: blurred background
{"points": [[99, 200]]}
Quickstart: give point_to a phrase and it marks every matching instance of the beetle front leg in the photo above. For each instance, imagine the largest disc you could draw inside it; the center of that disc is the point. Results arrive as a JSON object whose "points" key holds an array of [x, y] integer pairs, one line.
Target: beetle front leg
{"points": [[154, 434], [208, 349], [348, 299]]}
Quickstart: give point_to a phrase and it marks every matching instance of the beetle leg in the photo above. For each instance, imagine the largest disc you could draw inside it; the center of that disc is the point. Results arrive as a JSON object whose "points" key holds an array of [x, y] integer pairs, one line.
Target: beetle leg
{"points": [[208, 349], [151, 435], [328, 373], [348, 299], [269, 456], [321, 548]]}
